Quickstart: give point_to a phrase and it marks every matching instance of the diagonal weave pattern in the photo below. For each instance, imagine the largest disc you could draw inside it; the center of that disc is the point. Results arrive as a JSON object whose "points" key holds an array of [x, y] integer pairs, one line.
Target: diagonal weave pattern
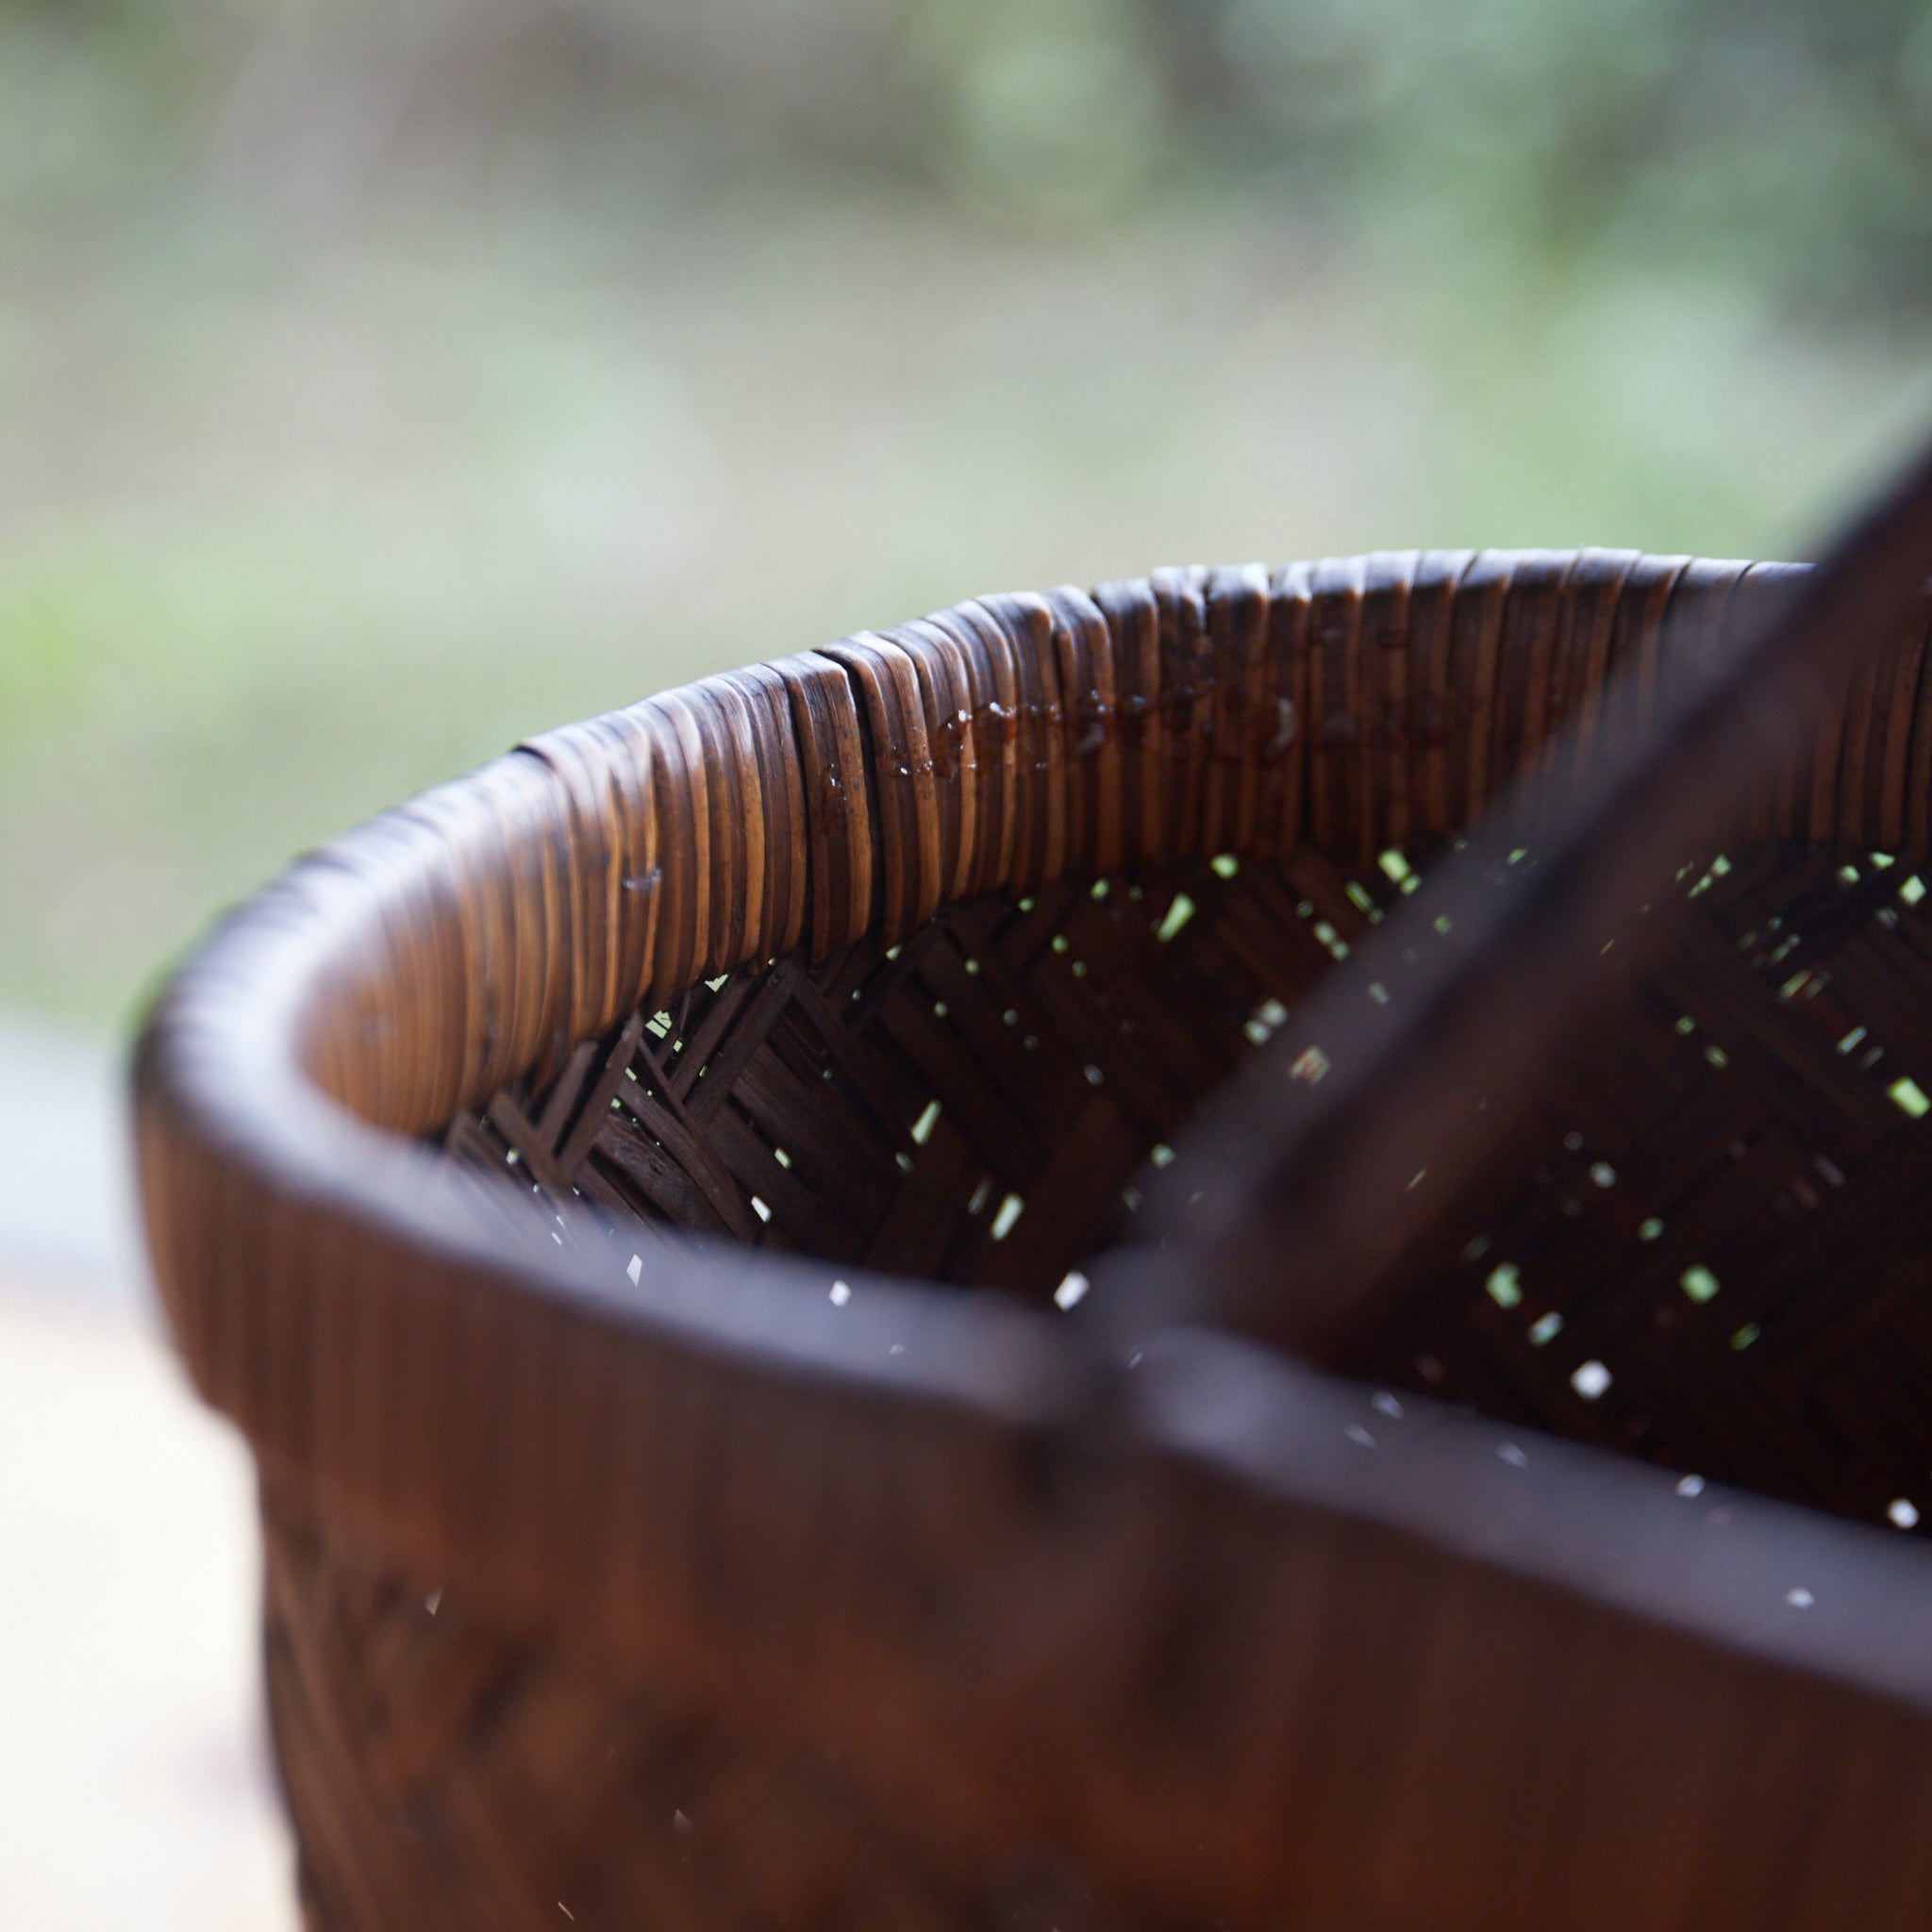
{"points": [[1712, 1242], [900, 1108], [1706, 1243]]}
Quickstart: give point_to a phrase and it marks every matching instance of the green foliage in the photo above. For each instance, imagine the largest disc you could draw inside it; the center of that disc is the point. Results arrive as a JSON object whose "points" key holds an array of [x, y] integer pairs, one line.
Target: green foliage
{"points": [[1788, 137], [380, 379]]}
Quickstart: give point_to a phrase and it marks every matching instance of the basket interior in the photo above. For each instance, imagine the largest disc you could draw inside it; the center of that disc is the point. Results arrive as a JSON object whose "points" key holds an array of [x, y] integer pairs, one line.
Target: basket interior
{"points": [[1706, 1242]]}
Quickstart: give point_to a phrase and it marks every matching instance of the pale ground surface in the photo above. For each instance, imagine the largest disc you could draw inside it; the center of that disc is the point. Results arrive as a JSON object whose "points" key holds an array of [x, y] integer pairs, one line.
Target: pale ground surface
{"points": [[135, 1788]]}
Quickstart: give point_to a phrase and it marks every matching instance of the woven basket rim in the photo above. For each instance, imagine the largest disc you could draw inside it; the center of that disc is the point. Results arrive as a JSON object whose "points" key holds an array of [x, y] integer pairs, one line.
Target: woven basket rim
{"points": [[221, 1049], [223, 1069]]}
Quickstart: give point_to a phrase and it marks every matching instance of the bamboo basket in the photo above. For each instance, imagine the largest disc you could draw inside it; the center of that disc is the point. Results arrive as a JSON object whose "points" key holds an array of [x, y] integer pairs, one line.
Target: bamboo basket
{"points": [[648, 1205]]}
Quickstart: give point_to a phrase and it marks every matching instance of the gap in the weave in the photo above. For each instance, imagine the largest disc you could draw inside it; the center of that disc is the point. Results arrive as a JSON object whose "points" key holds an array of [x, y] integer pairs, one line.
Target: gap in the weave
{"points": [[1708, 1240]]}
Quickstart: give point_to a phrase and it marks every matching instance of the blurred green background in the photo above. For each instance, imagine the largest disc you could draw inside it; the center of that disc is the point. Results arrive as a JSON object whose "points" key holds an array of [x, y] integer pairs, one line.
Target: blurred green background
{"points": [[379, 382]]}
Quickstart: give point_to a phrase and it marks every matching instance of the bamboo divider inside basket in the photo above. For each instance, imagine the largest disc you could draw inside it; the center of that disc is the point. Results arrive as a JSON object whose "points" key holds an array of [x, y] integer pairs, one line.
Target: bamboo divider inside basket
{"points": [[1294, 1200]]}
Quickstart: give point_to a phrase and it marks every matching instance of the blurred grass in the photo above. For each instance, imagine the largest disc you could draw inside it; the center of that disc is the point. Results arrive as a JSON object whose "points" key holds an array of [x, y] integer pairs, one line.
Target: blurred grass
{"points": [[350, 430]]}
